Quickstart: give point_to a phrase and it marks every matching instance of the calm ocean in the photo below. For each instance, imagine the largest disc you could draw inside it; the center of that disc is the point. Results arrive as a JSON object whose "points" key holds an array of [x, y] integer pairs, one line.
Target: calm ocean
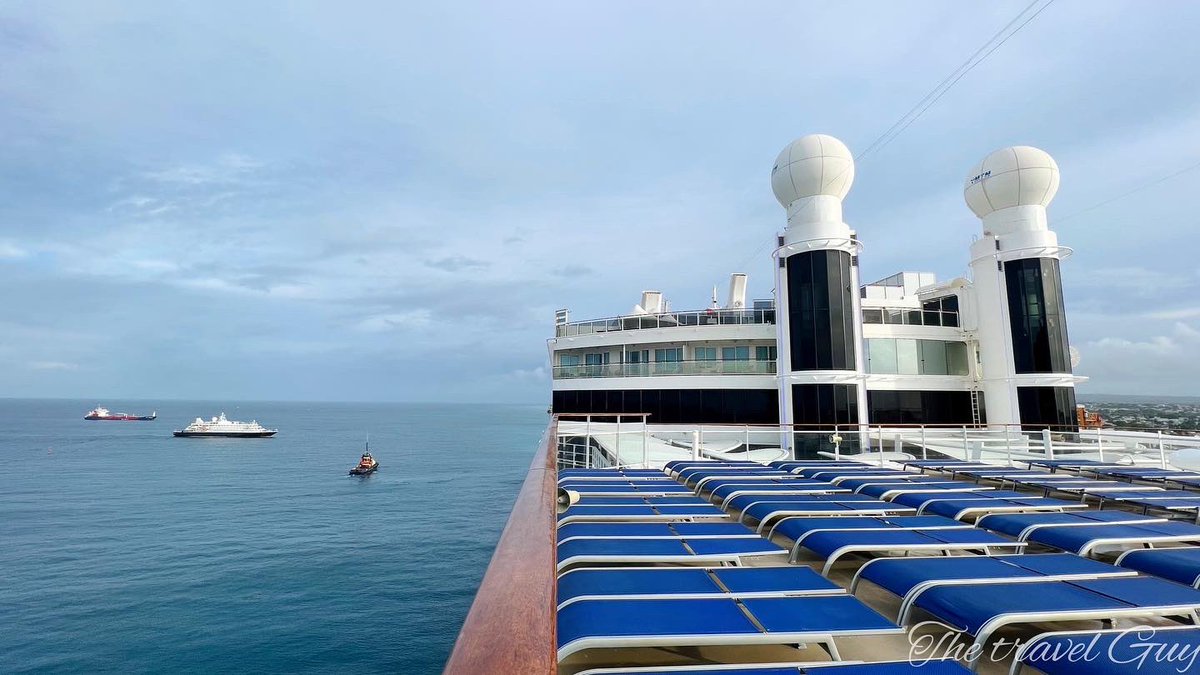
{"points": [[125, 549]]}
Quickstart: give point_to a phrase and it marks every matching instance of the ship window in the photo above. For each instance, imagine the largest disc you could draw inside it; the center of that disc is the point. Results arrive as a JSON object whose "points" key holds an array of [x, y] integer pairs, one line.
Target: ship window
{"points": [[704, 353], [872, 316], [568, 359], [637, 356], [908, 359], [881, 356], [765, 353], [956, 358], [670, 355], [596, 358], [933, 357], [1037, 317], [735, 353]]}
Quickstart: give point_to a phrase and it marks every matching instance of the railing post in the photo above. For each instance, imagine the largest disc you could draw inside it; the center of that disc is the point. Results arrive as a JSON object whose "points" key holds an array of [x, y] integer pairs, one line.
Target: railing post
{"points": [[747, 440], [618, 444], [924, 448], [700, 429], [695, 445], [881, 446], [1008, 443], [1047, 443], [1100, 442], [645, 440], [966, 447], [587, 440], [1162, 452]]}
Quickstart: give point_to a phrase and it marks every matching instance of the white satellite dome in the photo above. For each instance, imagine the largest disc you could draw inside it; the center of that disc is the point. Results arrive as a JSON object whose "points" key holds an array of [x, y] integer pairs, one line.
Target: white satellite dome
{"points": [[813, 165], [1016, 176]]}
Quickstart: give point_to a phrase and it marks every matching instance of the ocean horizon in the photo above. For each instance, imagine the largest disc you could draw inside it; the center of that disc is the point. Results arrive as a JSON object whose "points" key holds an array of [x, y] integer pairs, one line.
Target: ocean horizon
{"points": [[126, 549]]}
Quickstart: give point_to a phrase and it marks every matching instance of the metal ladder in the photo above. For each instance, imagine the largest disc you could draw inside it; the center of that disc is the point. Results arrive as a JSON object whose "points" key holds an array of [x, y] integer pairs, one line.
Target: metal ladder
{"points": [[975, 400]]}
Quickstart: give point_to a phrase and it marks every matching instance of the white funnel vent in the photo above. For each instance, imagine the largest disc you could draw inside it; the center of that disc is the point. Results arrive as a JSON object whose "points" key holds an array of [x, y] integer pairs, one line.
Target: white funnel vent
{"points": [[652, 303], [737, 291]]}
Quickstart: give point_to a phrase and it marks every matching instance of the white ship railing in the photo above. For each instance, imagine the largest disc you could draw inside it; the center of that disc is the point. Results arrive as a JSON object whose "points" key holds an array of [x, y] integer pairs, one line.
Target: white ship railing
{"points": [[630, 440], [701, 317]]}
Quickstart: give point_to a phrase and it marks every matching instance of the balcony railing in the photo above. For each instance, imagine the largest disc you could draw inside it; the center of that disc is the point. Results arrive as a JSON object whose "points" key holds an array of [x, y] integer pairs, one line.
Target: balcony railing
{"points": [[653, 369], [910, 317], [704, 317]]}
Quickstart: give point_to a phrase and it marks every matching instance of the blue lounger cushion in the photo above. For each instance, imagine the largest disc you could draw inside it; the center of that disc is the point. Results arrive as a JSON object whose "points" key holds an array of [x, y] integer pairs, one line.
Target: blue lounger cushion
{"points": [[796, 528], [826, 543], [646, 509], [1177, 564], [1015, 524], [1081, 540], [901, 575], [612, 623], [739, 581], [763, 511], [953, 508], [684, 549], [1115, 652], [971, 607], [880, 488], [610, 500], [664, 530]]}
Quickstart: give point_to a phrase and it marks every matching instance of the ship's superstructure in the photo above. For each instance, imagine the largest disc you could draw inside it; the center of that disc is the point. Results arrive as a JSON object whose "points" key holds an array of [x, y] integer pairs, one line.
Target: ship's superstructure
{"points": [[829, 351]]}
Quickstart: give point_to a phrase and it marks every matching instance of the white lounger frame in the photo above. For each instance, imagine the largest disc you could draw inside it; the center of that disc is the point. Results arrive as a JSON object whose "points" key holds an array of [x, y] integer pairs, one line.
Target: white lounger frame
{"points": [[732, 559], [625, 642]]}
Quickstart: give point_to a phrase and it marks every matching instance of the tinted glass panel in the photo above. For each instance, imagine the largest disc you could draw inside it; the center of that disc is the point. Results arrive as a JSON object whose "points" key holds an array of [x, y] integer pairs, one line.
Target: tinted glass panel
{"points": [[820, 305], [1047, 407], [675, 406], [919, 407], [1037, 316]]}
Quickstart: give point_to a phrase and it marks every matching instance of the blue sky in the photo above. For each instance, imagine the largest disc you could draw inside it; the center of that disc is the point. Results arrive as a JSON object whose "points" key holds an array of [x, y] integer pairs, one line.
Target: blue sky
{"points": [[385, 201]]}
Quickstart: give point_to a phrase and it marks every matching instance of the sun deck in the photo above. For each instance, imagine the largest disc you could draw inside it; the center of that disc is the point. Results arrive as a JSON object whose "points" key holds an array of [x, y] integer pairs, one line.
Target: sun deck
{"points": [[644, 566]]}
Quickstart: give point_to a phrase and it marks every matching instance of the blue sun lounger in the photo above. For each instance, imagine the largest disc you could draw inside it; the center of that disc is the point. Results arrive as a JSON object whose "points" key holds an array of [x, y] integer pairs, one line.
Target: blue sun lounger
{"points": [[646, 513], [631, 474], [793, 464], [1158, 650], [831, 545], [1076, 485], [1053, 464], [1148, 501], [642, 489], [932, 667], [1181, 565], [1021, 525], [981, 609], [726, 491], [767, 509], [679, 551], [797, 529], [890, 489], [1085, 540], [908, 578], [623, 624], [708, 530], [962, 505], [1144, 473], [686, 499], [638, 583]]}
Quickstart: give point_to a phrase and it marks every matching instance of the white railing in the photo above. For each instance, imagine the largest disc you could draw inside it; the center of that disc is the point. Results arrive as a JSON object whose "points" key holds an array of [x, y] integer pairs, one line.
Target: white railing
{"points": [[700, 317], [657, 368], [630, 441]]}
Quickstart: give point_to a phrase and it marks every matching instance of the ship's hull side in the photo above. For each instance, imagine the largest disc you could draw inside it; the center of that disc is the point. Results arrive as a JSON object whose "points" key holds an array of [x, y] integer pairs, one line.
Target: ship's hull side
{"points": [[225, 434]]}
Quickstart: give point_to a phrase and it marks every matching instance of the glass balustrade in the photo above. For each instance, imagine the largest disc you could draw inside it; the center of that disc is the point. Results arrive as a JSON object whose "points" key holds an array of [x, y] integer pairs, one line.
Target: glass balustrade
{"points": [[653, 369]]}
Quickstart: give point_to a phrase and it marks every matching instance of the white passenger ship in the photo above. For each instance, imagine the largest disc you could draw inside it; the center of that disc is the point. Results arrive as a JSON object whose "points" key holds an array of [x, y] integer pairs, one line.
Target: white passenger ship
{"points": [[220, 426]]}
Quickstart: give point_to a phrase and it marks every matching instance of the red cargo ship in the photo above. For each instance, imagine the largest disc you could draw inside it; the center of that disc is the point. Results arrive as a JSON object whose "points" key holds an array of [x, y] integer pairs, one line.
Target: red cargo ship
{"points": [[103, 414]]}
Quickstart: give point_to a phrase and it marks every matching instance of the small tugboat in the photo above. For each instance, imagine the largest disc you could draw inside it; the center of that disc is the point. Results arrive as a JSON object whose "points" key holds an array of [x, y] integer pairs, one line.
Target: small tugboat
{"points": [[103, 414], [367, 464], [219, 426]]}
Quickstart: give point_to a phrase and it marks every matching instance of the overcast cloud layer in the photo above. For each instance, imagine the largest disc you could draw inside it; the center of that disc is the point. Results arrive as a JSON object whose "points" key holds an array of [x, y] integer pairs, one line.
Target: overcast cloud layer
{"points": [[360, 201]]}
